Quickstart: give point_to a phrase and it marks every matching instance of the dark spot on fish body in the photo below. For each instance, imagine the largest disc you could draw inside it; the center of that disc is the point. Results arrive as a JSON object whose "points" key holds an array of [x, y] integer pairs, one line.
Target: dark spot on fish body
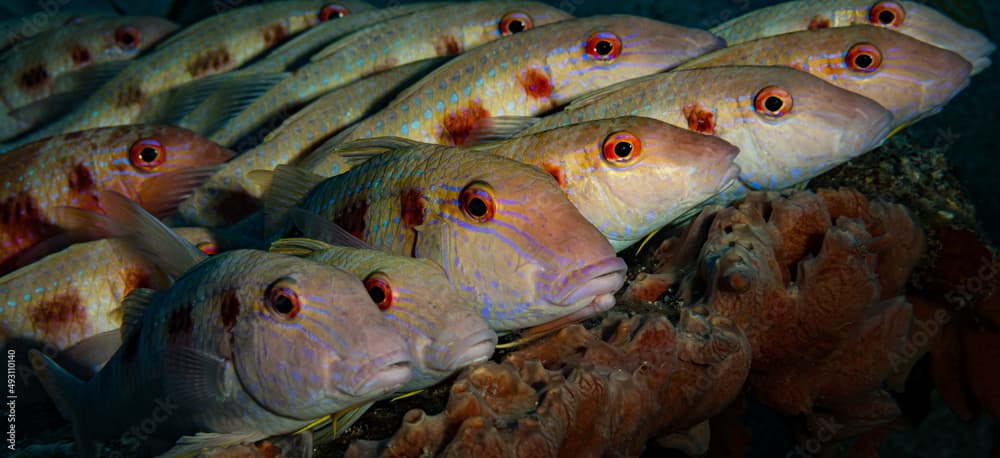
{"points": [[23, 226], [80, 179], [229, 310], [819, 22], [130, 96], [699, 119], [214, 61], [81, 56], [447, 45], [352, 217], [536, 83], [459, 124], [411, 206], [180, 325], [556, 173], [34, 77], [59, 315], [274, 34]]}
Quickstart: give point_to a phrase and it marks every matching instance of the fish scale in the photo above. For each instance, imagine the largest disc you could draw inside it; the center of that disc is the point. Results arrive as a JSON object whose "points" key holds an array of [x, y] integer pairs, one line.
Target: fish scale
{"points": [[223, 198], [215, 45], [918, 21], [825, 125], [533, 260], [529, 74], [51, 63], [440, 31]]}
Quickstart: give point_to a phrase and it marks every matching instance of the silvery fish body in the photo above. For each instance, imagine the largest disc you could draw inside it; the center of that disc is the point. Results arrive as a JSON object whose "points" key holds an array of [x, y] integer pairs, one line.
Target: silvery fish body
{"points": [[530, 74], [789, 125], [918, 21], [908, 77], [442, 31], [245, 344], [505, 234]]}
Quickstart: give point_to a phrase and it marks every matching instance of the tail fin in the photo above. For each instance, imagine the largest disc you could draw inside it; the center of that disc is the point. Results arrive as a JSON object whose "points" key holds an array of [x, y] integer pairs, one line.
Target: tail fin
{"points": [[66, 392]]}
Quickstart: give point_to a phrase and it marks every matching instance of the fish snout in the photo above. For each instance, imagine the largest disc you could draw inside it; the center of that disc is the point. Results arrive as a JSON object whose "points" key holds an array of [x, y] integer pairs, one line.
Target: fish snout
{"points": [[380, 375], [457, 353], [586, 284]]}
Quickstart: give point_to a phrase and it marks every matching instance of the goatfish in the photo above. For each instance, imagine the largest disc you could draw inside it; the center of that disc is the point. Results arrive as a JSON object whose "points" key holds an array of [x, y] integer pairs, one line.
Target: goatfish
{"points": [[244, 345], [918, 21], [443, 330], [628, 176], [59, 67], [789, 125], [157, 166], [290, 54], [442, 31], [530, 74], [908, 77], [229, 195], [504, 233], [214, 45], [14, 32]]}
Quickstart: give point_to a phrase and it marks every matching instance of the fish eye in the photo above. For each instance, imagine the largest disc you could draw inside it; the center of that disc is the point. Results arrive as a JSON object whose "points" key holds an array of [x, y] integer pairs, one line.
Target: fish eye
{"points": [[863, 57], [621, 148], [773, 102], [209, 248], [603, 46], [380, 291], [889, 14], [477, 202], [147, 154], [514, 22], [282, 300], [127, 37], [332, 11]]}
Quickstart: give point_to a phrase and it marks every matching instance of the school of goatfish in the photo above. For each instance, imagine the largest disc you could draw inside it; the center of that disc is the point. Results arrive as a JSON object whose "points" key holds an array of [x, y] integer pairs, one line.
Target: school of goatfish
{"points": [[281, 214]]}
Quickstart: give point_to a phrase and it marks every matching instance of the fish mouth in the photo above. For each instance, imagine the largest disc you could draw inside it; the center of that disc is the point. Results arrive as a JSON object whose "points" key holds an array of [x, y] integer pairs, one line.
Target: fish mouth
{"points": [[388, 372], [583, 286], [474, 348]]}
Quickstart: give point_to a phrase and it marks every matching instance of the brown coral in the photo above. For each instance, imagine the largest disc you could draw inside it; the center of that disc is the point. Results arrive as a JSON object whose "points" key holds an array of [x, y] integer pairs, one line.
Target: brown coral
{"points": [[554, 397], [813, 280]]}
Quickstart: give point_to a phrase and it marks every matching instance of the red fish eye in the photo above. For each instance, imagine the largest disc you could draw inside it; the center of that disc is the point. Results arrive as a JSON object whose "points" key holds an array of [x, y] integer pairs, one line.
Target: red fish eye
{"points": [[621, 148], [863, 57], [477, 202], [127, 37], [283, 300], [514, 22], [332, 11], [209, 248], [147, 154], [773, 102], [603, 46], [380, 291], [889, 14]]}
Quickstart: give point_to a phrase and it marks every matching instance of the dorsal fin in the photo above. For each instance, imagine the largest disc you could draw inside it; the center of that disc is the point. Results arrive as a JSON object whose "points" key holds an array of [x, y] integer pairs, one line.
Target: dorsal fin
{"points": [[133, 306], [318, 228], [298, 246], [288, 185]]}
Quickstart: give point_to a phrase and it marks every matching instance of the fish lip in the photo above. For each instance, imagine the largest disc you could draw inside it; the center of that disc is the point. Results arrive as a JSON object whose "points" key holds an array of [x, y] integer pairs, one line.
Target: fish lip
{"points": [[476, 347], [393, 370], [584, 285]]}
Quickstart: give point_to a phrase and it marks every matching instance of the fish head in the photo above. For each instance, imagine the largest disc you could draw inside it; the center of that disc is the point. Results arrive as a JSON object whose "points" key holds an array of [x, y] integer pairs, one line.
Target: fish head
{"points": [[789, 125], [127, 36], [507, 236], [596, 52], [147, 163], [307, 339], [910, 78], [442, 328], [505, 18], [926, 24], [631, 175]]}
